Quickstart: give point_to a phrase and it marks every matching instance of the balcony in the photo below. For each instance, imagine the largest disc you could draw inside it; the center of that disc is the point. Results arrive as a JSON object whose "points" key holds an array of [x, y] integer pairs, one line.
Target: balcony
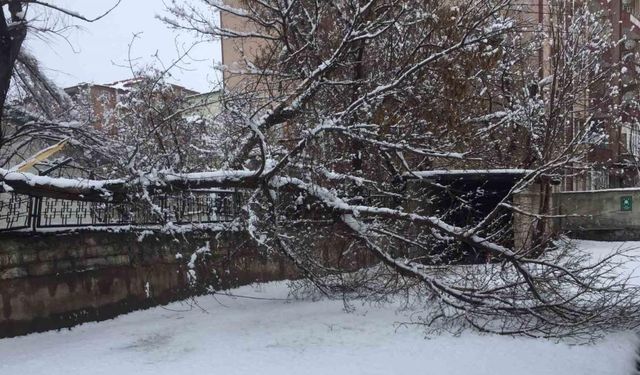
{"points": [[632, 7]]}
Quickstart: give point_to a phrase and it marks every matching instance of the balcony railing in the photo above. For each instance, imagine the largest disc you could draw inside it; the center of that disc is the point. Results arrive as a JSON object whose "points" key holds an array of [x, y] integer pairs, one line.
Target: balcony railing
{"points": [[20, 212]]}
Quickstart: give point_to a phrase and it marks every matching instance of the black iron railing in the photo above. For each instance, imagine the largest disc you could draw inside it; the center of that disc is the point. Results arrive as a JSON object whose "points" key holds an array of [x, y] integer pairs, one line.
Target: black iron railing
{"points": [[16, 211], [19, 212]]}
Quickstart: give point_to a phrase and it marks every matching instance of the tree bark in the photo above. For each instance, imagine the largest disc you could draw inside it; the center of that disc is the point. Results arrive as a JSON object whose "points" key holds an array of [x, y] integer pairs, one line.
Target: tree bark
{"points": [[11, 38]]}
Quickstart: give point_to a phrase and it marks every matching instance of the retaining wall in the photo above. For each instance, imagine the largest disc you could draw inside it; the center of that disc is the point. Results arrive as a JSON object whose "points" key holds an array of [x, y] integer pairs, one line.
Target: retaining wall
{"points": [[50, 281]]}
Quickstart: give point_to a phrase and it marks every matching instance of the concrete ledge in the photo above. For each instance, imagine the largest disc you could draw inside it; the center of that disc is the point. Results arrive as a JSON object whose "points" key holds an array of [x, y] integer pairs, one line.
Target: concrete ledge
{"points": [[632, 234]]}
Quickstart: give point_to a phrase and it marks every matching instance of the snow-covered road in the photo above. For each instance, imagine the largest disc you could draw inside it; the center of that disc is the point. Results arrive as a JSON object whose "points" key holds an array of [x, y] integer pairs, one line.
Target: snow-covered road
{"points": [[229, 336]]}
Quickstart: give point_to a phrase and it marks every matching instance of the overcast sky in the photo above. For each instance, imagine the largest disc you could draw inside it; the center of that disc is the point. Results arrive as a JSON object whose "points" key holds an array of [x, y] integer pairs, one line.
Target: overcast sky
{"points": [[97, 52]]}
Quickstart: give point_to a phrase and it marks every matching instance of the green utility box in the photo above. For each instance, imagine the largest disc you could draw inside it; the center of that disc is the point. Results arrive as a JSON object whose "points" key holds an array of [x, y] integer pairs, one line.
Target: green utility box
{"points": [[626, 203]]}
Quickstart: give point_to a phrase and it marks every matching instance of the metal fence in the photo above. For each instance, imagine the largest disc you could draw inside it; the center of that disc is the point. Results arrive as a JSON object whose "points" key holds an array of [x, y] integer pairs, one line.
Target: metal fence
{"points": [[19, 212]]}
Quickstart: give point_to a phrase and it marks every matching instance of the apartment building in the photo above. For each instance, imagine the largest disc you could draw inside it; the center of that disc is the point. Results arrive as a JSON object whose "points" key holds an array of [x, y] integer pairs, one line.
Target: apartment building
{"points": [[101, 100], [616, 162]]}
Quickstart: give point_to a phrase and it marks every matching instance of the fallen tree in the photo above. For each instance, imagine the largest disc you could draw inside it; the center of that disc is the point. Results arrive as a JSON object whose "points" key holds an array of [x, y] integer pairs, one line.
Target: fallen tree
{"points": [[343, 100]]}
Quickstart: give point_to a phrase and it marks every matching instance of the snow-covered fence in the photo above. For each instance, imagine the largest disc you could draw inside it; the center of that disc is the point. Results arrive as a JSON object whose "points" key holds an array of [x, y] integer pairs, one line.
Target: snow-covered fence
{"points": [[23, 212]]}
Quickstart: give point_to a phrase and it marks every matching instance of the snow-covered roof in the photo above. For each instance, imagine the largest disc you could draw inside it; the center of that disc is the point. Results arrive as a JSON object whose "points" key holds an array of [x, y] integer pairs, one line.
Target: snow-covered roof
{"points": [[468, 172], [127, 85]]}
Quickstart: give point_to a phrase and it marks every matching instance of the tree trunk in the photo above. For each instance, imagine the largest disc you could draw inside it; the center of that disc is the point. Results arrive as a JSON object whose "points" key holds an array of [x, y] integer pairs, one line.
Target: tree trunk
{"points": [[542, 232], [11, 38]]}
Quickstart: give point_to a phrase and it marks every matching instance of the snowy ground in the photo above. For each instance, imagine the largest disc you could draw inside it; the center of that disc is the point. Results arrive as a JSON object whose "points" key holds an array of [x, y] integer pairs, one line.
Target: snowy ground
{"points": [[261, 336]]}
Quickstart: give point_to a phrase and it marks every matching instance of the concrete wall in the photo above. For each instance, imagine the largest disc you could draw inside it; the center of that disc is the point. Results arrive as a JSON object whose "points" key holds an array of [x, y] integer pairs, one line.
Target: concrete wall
{"points": [[529, 226], [594, 215], [523, 224], [598, 215], [52, 281]]}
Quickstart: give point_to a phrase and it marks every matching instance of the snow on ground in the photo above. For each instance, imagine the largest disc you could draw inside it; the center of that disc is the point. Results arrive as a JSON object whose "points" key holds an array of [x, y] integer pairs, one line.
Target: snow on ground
{"points": [[600, 247], [266, 336], [603, 248], [600, 250]]}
